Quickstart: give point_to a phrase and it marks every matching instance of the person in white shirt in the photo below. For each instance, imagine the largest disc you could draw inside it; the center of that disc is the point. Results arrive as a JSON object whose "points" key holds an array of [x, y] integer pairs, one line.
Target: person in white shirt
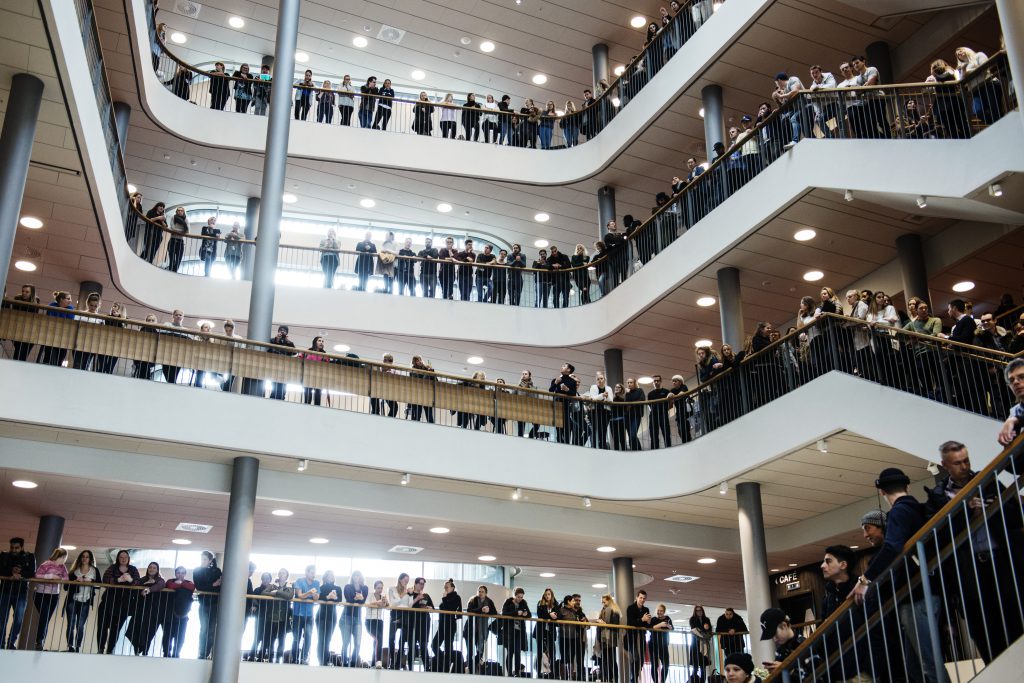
{"points": [[599, 414], [824, 105], [80, 359], [398, 596]]}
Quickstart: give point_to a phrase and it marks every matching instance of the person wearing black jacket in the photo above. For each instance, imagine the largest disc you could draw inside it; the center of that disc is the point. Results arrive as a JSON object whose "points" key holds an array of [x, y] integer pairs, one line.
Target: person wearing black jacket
{"points": [[384, 104], [220, 87], [405, 269], [207, 578], [448, 256], [476, 628], [443, 643], [963, 369], [500, 279], [618, 253], [242, 88], [560, 265], [659, 414], [580, 274], [730, 628], [512, 632], [153, 235], [326, 616], [176, 610], [836, 569], [428, 269], [471, 112], [634, 414], [114, 605], [543, 278], [564, 385], [420, 622], [682, 407], [16, 567], [484, 276], [516, 261], [367, 101], [208, 249], [638, 616], [422, 116], [776, 626], [700, 644], [465, 272], [278, 389], [504, 120], [364, 261], [176, 243]]}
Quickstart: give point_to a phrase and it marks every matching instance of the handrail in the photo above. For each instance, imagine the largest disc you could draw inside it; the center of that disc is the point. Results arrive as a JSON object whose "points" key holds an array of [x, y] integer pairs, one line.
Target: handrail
{"points": [[909, 548]]}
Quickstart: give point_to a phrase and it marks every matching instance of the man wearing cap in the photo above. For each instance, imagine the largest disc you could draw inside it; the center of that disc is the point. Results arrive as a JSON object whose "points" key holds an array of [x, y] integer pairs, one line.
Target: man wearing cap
{"points": [[836, 569], [776, 626], [739, 668], [905, 519], [788, 88]]}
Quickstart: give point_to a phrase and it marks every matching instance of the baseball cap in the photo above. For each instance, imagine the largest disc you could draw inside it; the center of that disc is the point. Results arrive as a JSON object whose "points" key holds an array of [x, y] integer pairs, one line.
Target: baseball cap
{"points": [[782, 76], [770, 620]]}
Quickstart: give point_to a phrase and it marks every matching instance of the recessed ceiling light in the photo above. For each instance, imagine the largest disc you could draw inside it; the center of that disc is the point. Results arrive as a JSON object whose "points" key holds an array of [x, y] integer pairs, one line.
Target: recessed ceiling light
{"points": [[289, 198], [465, 40], [619, 70], [646, 380], [723, 488], [854, 547], [236, 22], [605, 549], [517, 494], [132, 188], [540, 244], [319, 540], [301, 57], [964, 286], [181, 541], [31, 222], [69, 547], [706, 301], [342, 348], [444, 207], [405, 481], [599, 585], [487, 46], [26, 266], [439, 530], [539, 79], [281, 512], [24, 484], [360, 41], [813, 275], [487, 558], [547, 575], [541, 217], [775, 570], [995, 190], [638, 21], [922, 202], [706, 560], [474, 360], [804, 235], [701, 112], [178, 38], [703, 342], [418, 75], [793, 564], [367, 203]]}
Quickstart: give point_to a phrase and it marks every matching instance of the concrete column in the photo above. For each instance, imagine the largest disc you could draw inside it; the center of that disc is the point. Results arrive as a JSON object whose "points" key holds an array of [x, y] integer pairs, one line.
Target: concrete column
{"points": [[613, 367], [880, 57], [714, 121], [85, 289], [605, 208], [622, 582], [730, 307], [754, 556], [237, 546], [912, 267], [15, 152], [1011, 20], [122, 114], [600, 54], [267, 60], [275, 161], [48, 538], [252, 217]]}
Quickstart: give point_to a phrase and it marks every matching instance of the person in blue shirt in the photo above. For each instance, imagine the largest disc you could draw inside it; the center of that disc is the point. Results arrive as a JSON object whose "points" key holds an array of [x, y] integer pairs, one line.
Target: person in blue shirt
{"points": [[51, 355], [307, 591]]}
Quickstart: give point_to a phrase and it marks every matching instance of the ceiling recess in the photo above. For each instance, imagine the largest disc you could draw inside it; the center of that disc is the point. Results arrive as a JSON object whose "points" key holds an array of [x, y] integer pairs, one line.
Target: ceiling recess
{"points": [[390, 34]]}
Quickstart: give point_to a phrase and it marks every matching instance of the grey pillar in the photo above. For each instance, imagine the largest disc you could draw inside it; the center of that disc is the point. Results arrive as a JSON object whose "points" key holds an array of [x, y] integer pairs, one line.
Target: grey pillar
{"points": [[275, 162], [880, 57], [122, 114], [605, 208], [600, 54], [912, 268], [613, 367], [1011, 21], [730, 307], [237, 546], [252, 217], [15, 153], [48, 537], [754, 556], [85, 289], [622, 581], [714, 125], [267, 60]]}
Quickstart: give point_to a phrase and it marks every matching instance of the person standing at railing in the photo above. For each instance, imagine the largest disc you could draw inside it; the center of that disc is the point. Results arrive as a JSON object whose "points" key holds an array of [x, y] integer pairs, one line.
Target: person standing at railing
{"points": [[569, 122], [564, 385], [315, 354], [788, 89], [572, 642], [443, 644], [608, 639], [465, 273], [81, 360], [261, 610], [422, 116], [419, 622], [949, 107], [154, 235], [659, 424], [398, 601], [113, 611], [364, 261], [448, 122], [512, 632], [730, 628], [208, 248], [367, 101], [499, 279], [325, 104], [174, 619], [560, 264], [824, 107], [836, 569], [376, 603], [662, 625], [304, 95], [471, 112], [220, 86], [329, 257], [484, 283], [346, 100], [1014, 424], [528, 130], [207, 578], [47, 595], [79, 599], [504, 117], [16, 567], [384, 105], [181, 83], [490, 119], [176, 242], [545, 633], [261, 91], [639, 617], [131, 223], [871, 122], [354, 594], [404, 272], [700, 644], [326, 617], [146, 610], [547, 124], [428, 269], [448, 255], [477, 628], [280, 615], [542, 278], [307, 591], [233, 251], [242, 88], [51, 355], [516, 261]]}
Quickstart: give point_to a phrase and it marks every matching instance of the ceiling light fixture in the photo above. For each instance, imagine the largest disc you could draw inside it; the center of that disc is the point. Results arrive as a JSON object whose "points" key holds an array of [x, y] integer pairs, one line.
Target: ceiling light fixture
{"points": [[804, 235], [289, 198], [822, 446], [517, 493], [181, 541], [360, 41], [367, 203], [605, 549], [301, 57], [586, 501], [701, 112], [599, 585], [439, 530], [922, 202], [964, 286], [69, 547], [487, 46], [706, 560], [813, 275], [539, 79], [303, 465], [24, 484], [132, 189], [724, 488], [487, 558], [854, 547], [848, 196], [706, 301], [236, 22], [26, 266], [619, 70], [31, 222], [638, 21], [474, 360], [646, 380], [418, 75], [703, 342], [319, 540], [342, 348], [405, 479], [178, 38], [793, 564], [444, 207], [540, 244], [281, 512], [541, 217], [547, 575], [995, 190]]}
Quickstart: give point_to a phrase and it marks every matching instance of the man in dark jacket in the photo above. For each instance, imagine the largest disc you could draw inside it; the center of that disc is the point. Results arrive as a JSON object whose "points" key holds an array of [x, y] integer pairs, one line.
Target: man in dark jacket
{"points": [[659, 414], [278, 390], [637, 616], [428, 269], [16, 567], [565, 385], [836, 569], [730, 628], [560, 265]]}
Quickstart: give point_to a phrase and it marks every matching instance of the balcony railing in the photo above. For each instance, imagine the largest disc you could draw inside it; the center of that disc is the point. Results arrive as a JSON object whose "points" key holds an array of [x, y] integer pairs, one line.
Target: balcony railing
{"points": [[949, 603], [962, 376], [446, 634], [410, 116], [924, 111]]}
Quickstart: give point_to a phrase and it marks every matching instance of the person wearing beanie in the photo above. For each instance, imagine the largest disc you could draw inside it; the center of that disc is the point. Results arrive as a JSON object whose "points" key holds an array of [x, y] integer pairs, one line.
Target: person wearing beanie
{"points": [[872, 524], [739, 668]]}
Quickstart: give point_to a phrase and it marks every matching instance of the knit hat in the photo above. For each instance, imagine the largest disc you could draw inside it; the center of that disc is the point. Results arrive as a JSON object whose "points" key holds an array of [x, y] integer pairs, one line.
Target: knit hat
{"points": [[892, 475], [742, 660], [873, 517]]}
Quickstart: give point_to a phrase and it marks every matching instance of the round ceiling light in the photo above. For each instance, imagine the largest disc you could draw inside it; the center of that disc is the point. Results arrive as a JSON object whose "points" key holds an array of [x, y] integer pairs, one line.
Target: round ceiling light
{"points": [[236, 22], [281, 512], [181, 541], [418, 75], [439, 530], [964, 286], [619, 70], [547, 575], [132, 189], [301, 57], [465, 40], [342, 348], [638, 21], [26, 266], [367, 203], [31, 222], [605, 549], [646, 380], [539, 79], [24, 484], [541, 217], [487, 46], [701, 112], [706, 560], [703, 342], [813, 275], [319, 540], [289, 198], [804, 235], [444, 207], [706, 301], [599, 585], [360, 41], [178, 38], [474, 360], [487, 558], [69, 547], [540, 244]]}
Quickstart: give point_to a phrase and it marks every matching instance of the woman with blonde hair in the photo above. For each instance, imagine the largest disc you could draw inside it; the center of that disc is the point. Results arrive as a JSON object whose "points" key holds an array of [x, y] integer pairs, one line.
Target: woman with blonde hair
{"points": [[570, 124], [581, 274], [448, 117], [48, 594], [546, 633], [608, 638]]}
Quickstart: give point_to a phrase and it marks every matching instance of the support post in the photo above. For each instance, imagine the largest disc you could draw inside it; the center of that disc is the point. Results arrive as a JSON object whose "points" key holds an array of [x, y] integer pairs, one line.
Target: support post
{"points": [[754, 556], [122, 115], [622, 581], [237, 546], [19, 129], [605, 208], [714, 125], [912, 267], [600, 56], [730, 307], [613, 367]]}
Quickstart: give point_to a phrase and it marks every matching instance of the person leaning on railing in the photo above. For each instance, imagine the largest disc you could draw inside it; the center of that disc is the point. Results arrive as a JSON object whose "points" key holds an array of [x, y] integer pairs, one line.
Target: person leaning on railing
{"points": [[242, 88], [80, 599], [146, 610], [1014, 424]]}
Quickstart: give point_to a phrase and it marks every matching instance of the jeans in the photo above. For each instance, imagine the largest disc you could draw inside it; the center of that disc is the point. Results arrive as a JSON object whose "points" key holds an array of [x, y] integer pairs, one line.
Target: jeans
{"points": [[77, 614], [302, 630], [174, 635], [351, 639], [914, 620], [381, 119], [324, 630], [545, 136], [375, 627], [207, 625], [794, 122], [365, 117], [46, 604]]}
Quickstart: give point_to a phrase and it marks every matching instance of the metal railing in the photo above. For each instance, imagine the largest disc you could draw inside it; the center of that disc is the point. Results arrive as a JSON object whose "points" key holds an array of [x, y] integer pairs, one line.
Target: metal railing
{"points": [[950, 601], [941, 111], [963, 376], [517, 128]]}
